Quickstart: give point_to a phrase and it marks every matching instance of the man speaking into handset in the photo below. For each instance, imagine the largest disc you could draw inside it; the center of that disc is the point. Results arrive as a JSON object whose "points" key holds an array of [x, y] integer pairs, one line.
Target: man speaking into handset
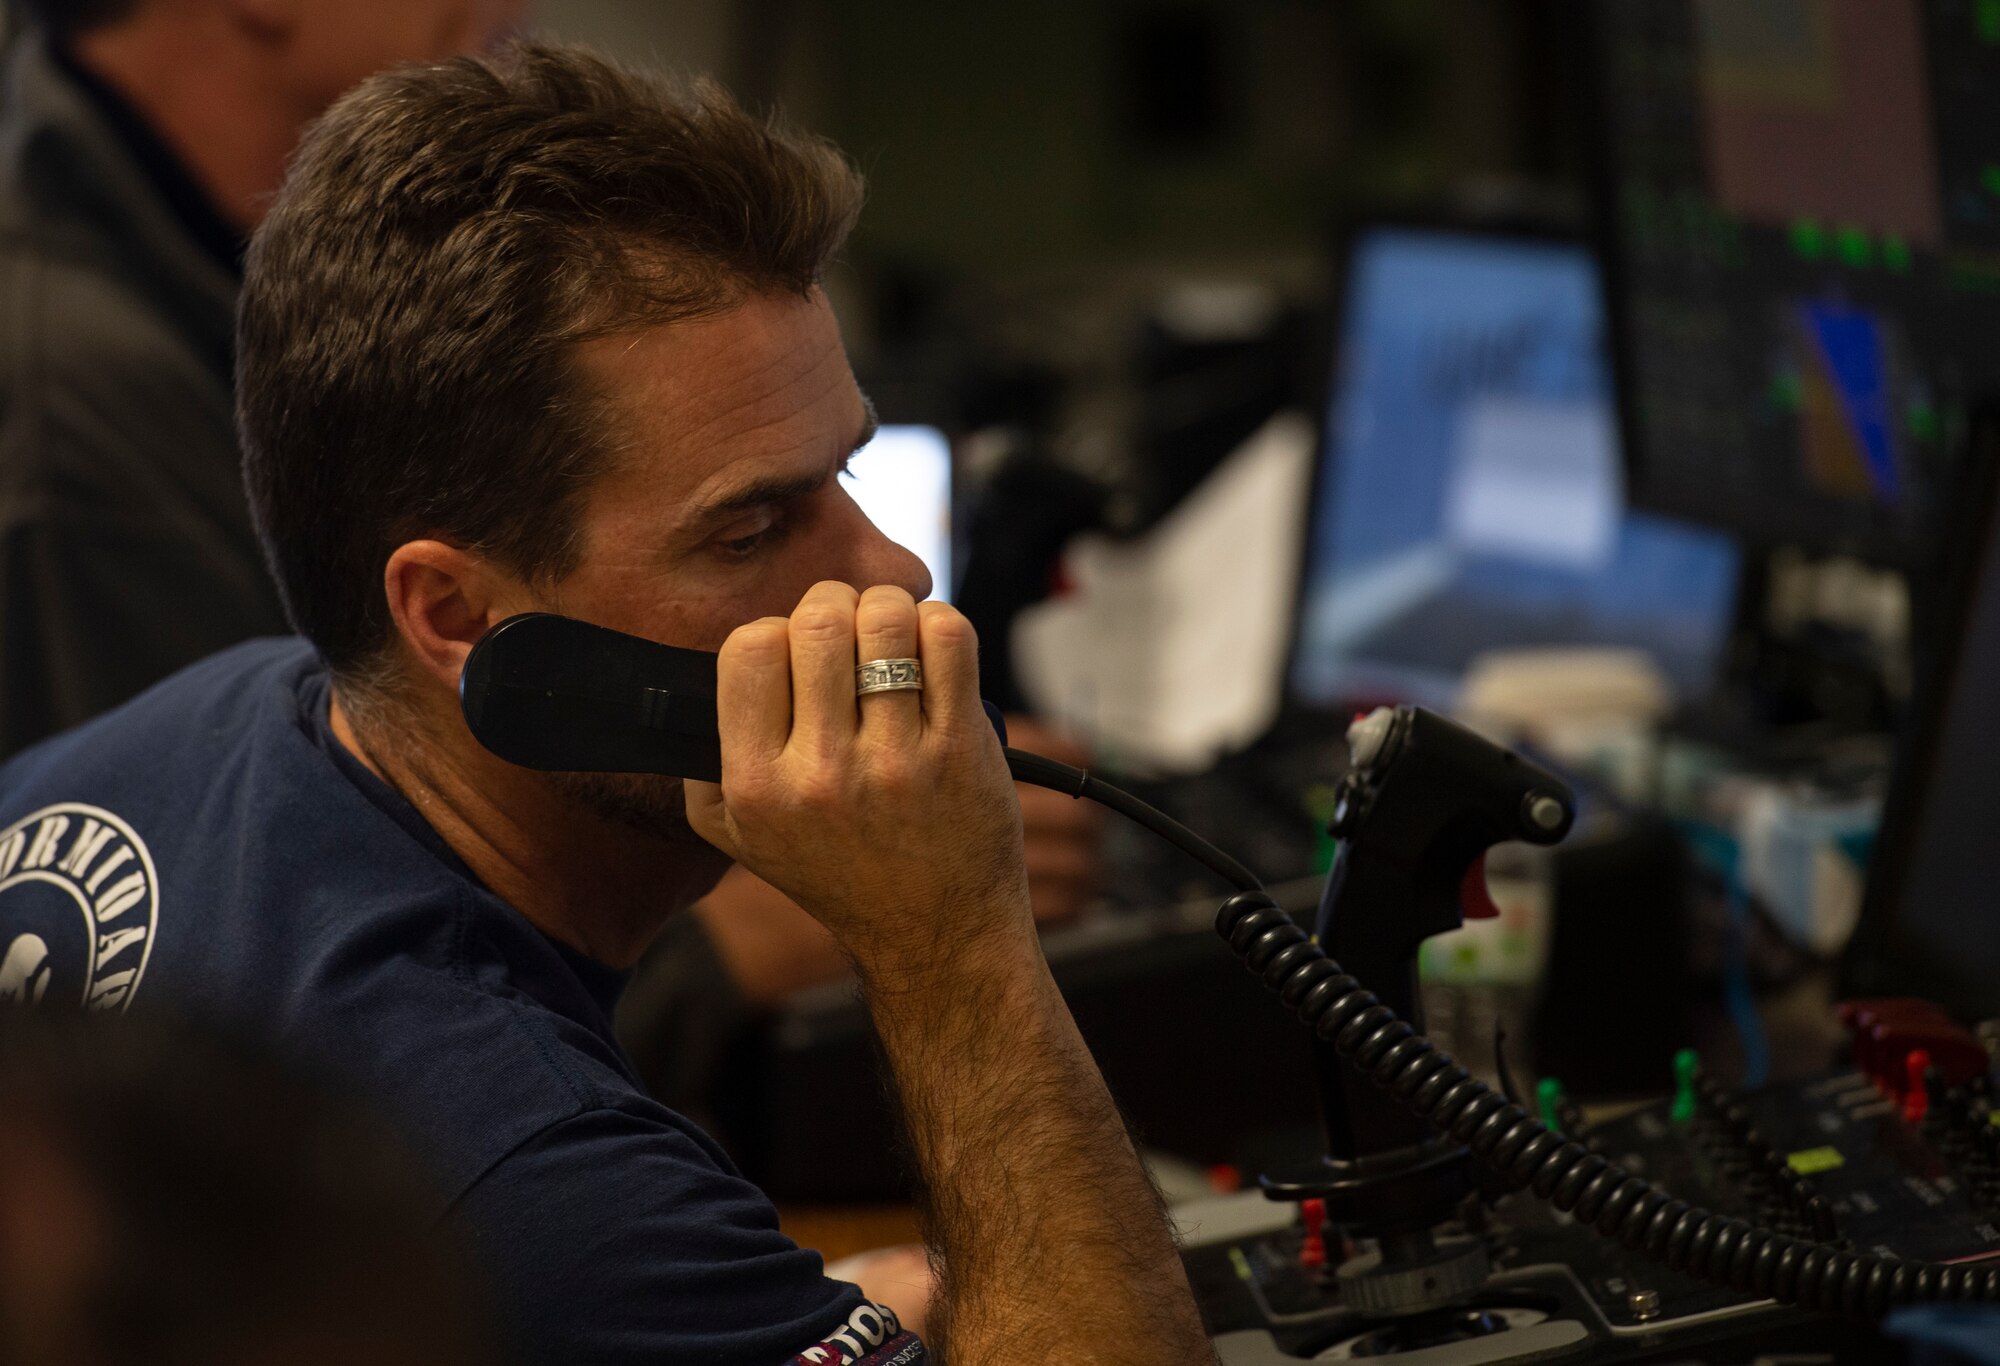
{"points": [[532, 333]]}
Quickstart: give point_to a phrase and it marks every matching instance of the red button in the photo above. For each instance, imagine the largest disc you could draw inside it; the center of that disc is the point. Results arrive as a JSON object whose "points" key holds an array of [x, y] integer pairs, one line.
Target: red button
{"points": [[1916, 1095], [1312, 1252]]}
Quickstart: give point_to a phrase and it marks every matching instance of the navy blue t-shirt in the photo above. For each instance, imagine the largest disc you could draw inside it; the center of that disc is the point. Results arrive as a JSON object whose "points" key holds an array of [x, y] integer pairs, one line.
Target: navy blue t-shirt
{"points": [[211, 845]]}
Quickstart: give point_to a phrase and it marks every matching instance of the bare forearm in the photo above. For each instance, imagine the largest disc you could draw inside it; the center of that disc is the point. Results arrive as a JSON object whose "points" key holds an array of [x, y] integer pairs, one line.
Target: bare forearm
{"points": [[892, 820], [1050, 1231]]}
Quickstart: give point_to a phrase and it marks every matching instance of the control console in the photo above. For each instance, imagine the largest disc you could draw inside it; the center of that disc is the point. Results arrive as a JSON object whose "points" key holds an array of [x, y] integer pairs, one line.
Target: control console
{"points": [[1861, 1161], [1445, 1225]]}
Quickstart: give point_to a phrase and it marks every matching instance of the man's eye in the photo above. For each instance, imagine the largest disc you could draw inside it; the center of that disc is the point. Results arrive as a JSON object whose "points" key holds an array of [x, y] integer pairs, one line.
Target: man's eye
{"points": [[756, 536]]}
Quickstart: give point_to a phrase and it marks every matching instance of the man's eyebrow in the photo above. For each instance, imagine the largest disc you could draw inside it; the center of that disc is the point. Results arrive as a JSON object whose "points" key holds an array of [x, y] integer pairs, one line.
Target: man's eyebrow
{"points": [[870, 424], [756, 494], [782, 488]]}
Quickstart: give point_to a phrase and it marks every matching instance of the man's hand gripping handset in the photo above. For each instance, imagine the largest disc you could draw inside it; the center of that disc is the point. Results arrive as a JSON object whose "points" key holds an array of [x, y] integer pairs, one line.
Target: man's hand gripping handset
{"points": [[892, 819]]}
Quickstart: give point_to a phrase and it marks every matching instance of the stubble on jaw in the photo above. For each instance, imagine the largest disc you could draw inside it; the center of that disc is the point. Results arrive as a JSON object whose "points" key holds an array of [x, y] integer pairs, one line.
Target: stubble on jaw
{"points": [[643, 802], [652, 807]]}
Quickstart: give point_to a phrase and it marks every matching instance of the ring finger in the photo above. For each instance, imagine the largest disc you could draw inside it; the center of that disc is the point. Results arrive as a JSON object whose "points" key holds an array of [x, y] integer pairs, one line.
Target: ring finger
{"points": [[885, 628]]}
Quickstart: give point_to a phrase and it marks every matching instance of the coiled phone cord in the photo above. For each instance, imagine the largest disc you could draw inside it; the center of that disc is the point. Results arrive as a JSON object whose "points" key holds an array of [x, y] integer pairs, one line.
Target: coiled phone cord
{"points": [[1732, 1253]]}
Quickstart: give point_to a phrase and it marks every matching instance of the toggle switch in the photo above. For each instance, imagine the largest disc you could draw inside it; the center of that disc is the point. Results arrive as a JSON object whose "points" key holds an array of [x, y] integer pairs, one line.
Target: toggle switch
{"points": [[1474, 901]]}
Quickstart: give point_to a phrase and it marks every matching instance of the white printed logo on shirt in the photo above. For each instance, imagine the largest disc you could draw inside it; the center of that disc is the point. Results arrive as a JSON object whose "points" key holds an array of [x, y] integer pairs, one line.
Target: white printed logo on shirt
{"points": [[871, 1336], [79, 903]]}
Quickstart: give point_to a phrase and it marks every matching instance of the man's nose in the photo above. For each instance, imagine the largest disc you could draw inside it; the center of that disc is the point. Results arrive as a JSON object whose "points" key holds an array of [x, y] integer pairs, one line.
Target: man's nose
{"points": [[880, 560]]}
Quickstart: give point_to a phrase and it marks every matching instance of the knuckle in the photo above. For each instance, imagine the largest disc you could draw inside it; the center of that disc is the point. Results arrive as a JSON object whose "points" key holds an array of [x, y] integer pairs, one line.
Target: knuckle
{"points": [[884, 611], [817, 619], [764, 641], [959, 745], [889, 594], [747, 785], [818, 785], [945, 625], [894, 770], [832, 593]]}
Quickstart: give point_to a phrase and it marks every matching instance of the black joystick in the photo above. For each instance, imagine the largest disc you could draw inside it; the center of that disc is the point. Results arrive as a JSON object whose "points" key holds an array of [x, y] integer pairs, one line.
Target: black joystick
{"points": [[1421, 804]]}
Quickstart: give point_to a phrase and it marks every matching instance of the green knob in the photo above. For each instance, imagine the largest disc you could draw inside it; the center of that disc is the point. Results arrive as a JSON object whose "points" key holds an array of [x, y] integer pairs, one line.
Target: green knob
{"points": [[1687, 1062], [1549, 1097]]}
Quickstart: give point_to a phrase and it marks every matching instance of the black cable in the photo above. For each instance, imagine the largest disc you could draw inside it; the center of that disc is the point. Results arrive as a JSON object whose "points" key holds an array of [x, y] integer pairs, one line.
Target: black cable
{"points": [[1425, 1080], [1040, 772], [1507, 1086]]}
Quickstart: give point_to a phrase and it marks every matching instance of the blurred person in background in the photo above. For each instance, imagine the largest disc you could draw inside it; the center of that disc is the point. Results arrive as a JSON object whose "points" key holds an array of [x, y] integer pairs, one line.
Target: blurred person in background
{"points": [[140, 141], [175, 1197]]}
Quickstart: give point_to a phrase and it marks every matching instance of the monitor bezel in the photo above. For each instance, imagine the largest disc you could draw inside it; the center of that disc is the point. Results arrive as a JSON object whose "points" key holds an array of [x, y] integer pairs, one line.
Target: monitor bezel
{"points": [[1880, 957]]}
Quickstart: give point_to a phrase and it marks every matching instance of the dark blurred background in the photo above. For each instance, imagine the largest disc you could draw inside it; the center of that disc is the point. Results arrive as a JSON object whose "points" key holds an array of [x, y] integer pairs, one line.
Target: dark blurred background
{"points": [[1040, 172], [1291, 357]]}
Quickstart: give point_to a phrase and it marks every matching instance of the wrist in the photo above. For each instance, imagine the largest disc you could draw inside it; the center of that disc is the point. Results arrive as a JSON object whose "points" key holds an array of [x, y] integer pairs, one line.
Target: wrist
{"points": [[949, 951]]}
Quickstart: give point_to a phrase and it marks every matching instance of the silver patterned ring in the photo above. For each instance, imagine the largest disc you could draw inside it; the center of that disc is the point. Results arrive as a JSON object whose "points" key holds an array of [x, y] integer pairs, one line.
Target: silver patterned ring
{"points": [[888, 675]]}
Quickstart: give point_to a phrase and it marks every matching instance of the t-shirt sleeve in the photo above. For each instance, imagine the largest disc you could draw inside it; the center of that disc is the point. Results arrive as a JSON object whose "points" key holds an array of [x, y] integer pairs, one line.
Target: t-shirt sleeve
{"points": [[613, 1238]]}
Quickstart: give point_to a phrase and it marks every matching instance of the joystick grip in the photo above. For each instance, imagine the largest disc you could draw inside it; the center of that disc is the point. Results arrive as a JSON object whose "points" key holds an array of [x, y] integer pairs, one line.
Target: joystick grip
{"points": [[1424, 801]]}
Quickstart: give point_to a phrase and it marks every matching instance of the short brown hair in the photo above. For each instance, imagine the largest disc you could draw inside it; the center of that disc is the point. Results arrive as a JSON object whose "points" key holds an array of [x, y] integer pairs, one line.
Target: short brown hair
{"points": [[412, 305]]}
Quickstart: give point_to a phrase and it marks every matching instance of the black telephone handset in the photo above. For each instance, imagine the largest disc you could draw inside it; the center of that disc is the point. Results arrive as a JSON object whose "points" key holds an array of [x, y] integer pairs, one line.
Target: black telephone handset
{"points": [[551, 692]]}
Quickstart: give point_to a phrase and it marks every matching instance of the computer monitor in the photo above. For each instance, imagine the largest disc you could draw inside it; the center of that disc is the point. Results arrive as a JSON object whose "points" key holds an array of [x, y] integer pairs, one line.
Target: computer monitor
{"points": [[902, 480], [1930, 919], [1469, 495], [1802, 217]]}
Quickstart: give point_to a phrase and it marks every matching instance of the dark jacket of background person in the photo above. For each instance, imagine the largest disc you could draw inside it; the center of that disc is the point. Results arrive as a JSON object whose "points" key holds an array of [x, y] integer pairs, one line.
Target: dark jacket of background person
{"points": [[125, 543]]}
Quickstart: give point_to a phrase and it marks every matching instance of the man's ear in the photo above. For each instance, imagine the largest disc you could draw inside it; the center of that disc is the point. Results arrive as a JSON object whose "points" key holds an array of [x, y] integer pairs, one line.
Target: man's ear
{"points": [[443, 599]]}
